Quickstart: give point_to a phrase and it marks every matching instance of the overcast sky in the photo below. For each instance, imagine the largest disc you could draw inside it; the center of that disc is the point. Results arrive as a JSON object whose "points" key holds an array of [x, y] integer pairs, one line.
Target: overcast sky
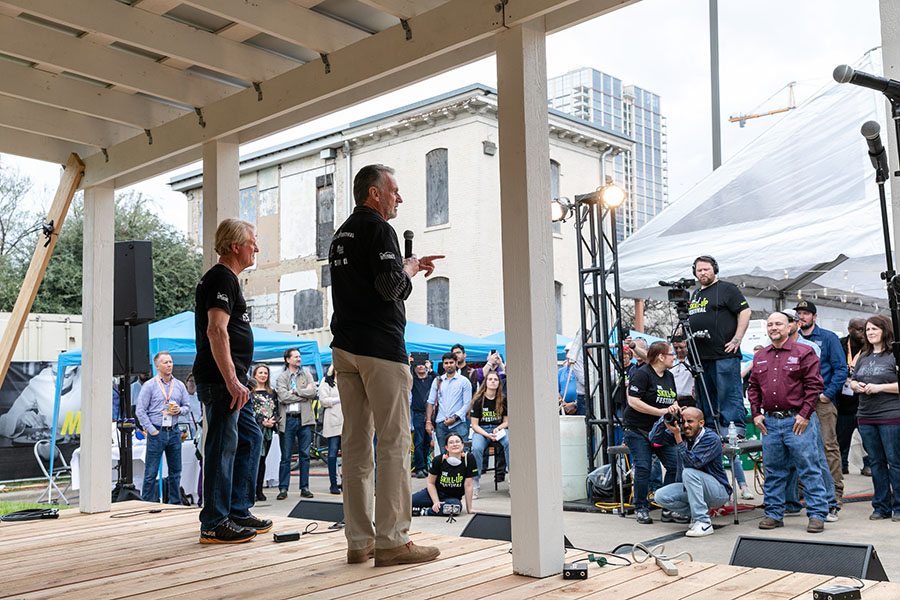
{"points": [[659, 45]]}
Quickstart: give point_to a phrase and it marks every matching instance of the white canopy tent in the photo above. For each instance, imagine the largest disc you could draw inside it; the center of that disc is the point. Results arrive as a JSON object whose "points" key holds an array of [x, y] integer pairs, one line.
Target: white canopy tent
{"points": [[795, 213]]}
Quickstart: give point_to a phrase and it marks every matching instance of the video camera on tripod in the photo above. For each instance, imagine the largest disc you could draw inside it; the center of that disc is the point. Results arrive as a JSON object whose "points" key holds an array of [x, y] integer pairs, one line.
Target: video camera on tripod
{"points": [[679, 294]]}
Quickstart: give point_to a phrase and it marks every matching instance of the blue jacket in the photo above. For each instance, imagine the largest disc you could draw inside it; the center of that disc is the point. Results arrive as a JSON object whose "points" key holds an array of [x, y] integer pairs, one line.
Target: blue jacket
{"points": [[704, 455], [832, 361]]}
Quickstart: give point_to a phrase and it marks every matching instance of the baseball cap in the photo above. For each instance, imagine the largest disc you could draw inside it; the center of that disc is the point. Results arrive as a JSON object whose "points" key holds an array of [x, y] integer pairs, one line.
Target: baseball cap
{"points": [[791, 314], [806, 305]]}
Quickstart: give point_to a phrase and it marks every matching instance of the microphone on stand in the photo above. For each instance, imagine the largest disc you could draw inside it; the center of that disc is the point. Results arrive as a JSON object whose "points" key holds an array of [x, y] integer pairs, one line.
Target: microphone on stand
{"points": [[888, 87], [870, 131], [408, 236]]}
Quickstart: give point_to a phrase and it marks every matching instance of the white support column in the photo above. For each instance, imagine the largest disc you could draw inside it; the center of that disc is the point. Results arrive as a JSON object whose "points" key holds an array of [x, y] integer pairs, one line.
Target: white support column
{"points": [[97, 349], [221, 190], [890, 58], [536, 502]]}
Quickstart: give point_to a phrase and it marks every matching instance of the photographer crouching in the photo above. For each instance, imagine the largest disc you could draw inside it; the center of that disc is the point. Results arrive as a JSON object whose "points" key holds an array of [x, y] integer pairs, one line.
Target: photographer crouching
{"points": [[704, 484]]}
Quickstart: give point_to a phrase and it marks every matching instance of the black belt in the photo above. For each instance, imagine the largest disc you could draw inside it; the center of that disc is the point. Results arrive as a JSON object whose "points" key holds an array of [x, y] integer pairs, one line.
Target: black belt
{"points": [[166, 428], [296, 414], [781, 414]]}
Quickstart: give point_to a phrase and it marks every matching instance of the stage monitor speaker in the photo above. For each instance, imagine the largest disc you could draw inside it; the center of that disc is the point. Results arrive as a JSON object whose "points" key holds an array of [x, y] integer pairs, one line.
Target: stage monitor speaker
{"points": [[133, 300], [139, 352], [319, 510], [492, 526], [824, 558]]}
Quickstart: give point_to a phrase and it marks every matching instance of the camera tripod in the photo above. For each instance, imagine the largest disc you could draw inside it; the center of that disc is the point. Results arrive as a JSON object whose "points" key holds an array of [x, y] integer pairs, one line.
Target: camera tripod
{"points": [[683, 332]]}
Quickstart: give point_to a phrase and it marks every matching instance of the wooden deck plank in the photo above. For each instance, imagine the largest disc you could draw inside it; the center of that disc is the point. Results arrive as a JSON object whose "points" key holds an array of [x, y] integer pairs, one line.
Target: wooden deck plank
{"points": [[683, 588], [869, 589], [652, 581], [787, 587], [737, 587]]}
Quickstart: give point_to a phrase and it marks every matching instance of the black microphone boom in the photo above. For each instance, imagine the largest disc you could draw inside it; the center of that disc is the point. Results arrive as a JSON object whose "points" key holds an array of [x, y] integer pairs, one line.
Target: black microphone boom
{"points": [[877, 154], [888, 87], [408, 236]]}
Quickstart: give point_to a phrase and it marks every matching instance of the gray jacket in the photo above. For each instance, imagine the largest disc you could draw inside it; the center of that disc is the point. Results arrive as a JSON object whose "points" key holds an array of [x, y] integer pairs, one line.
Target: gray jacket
{"points": [[303, 392]]}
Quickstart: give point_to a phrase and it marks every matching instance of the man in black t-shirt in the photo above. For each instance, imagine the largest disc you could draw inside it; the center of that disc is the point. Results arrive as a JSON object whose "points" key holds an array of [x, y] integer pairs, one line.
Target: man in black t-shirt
{"points": [[719, 308], [232, 438], [370, 281], [421, 385], [848, 400]]}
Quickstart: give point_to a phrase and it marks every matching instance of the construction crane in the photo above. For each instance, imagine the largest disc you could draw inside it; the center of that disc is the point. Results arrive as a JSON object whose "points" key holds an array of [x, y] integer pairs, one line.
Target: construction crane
{"points": [[742, 119]]}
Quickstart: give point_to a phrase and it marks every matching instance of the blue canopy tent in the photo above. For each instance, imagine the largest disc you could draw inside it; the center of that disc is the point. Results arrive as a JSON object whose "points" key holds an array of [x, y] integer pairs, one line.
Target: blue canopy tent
{"points": [[176, 336], [561, 342], [436, 341]]}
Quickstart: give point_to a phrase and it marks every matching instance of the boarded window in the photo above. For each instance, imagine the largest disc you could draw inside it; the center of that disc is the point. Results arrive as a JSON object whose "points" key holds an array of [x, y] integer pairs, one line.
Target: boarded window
{"points": [[437, 195], [439, 302], [308, 309], [248, 200], [557, 293], [554, 190], [324, 214]]}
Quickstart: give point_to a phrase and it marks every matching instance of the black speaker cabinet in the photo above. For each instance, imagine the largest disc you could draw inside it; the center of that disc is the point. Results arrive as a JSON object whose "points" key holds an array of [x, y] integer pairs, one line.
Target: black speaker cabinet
{"points": [[319, 510], [824, 558], [133, 300], [492, 526], [139, 351]]}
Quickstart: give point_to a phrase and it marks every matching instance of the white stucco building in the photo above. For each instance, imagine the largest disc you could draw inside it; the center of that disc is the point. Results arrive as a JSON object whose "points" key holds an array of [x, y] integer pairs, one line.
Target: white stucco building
{"points": [[445, 152]]}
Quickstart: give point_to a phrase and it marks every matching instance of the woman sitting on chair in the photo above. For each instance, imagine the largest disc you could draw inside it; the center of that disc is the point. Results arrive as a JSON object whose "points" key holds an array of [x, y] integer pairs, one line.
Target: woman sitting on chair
{"points": [[449, 479], [489, 421]]}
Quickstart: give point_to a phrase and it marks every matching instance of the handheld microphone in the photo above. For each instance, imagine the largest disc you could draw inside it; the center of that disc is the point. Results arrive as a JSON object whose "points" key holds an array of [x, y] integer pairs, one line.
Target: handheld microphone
{"points": [[870, 131], [408, 236], [888, 87]]}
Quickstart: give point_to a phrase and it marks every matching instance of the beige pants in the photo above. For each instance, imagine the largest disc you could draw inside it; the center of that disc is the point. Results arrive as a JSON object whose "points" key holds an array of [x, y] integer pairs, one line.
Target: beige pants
{"points": [[375, 397], [827, 413]]}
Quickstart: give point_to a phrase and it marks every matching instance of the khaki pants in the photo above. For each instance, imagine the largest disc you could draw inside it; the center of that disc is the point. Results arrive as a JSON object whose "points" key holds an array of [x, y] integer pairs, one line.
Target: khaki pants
{"points": [[375, 398], [827, 413]]}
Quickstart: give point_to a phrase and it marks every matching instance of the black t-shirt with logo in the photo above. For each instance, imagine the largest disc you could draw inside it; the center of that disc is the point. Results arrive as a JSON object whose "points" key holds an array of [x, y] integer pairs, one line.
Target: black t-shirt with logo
{"points": [[715, 309], [450, 479], [658, 392], [364, 323], [487, 413], [219, 288]]}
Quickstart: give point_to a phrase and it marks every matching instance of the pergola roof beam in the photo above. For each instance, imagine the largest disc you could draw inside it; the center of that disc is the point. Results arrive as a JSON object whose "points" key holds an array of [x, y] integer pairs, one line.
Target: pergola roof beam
{"points": [[41, 45], [161, 35], [39, 147], [63, 124], [286, 20], [65, 92], [404, 9]]}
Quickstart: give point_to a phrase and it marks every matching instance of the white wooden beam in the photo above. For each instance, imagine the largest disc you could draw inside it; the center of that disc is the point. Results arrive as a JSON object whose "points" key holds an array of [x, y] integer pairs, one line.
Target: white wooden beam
{"points": [[287, 21], [161, 35], [65, 92], [97, 356], [42, 45], [535, 502], [40, 147], [403, 9], [221, 189], [157, 7], [577, 13], [62, 124]]}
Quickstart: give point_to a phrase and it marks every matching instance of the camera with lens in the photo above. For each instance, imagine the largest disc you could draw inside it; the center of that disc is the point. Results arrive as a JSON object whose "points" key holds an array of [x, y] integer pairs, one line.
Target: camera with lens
{"points": [[673, 419], [679, 291]]}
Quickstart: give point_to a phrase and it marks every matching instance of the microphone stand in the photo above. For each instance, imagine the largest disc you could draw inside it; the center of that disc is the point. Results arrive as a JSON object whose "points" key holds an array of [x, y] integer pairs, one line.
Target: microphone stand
{"points": [[890, 276]]}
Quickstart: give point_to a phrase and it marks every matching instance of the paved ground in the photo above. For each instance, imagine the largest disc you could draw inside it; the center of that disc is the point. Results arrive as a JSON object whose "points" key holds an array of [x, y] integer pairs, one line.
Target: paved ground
{"points": [[603, 532]]}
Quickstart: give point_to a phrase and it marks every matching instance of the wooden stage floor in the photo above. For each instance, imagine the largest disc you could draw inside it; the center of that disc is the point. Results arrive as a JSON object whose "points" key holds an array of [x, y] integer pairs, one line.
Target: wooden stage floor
{"points": [[158, 556]]}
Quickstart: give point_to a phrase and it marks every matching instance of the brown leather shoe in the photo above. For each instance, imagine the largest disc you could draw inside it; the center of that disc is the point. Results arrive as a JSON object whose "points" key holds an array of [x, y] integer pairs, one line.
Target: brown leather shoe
{"points": [[362, 555], [770, 523], [406, 554], [815, 525]]}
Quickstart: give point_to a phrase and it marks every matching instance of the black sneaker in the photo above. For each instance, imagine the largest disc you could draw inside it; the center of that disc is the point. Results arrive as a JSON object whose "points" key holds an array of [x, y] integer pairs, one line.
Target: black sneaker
{"points": [[670, 516], [643, 516], [306, 493], [260, 525], [281, 495], [227, 532]]}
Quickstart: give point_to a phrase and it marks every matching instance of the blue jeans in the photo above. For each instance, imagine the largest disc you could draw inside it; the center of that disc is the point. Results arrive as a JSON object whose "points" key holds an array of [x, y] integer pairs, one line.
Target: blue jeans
{"points": [[442, 431], [846, 424], [232, 447], [421, 441], [642, 452], [882, 442], [168, 442], [334, 444], [421, 499], [580, 409], [480, 443], [782, 448], [302, 434], [792, 493], [695, 495], [723, 378]]}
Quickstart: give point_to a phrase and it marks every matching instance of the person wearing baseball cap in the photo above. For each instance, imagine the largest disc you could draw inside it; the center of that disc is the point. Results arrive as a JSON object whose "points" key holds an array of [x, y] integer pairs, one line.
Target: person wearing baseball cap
{"points": [[834, 371]]}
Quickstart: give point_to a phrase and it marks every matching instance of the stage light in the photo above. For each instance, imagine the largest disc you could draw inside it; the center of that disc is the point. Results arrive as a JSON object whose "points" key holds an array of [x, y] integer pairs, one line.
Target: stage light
{"points": [[612, 195], [560, 209]]}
